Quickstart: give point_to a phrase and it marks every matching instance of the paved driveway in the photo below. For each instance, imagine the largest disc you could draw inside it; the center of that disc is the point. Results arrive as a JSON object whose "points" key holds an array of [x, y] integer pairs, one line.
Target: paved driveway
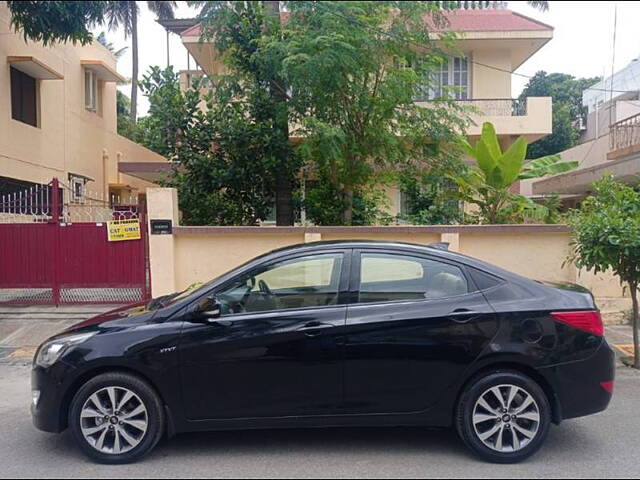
{"points": [[604, 445]]}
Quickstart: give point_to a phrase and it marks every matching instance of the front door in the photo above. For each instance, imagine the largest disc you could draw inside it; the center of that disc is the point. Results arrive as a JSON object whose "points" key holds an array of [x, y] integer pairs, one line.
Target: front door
{"points": [[274, 351], [414, 328]]}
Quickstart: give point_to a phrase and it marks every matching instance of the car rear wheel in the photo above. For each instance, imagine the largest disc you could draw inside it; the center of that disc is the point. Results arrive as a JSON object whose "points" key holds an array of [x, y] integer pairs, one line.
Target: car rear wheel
{"points": [[503, 416], [116, 418]]}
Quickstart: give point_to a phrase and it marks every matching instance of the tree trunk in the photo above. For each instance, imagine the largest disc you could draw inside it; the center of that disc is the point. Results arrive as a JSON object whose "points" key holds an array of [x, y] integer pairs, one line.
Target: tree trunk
{"points": [[134, 66], [284, 204], [347, 214], [283, 178], [634, 325]]}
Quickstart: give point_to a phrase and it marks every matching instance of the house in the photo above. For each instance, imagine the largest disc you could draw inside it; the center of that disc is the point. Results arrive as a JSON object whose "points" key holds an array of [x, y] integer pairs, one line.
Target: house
{"points": [[609, 142], [58, 119], [494, 43]]}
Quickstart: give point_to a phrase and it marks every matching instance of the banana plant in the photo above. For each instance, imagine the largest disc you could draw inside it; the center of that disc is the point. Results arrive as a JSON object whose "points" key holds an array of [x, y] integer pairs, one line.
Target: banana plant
{"points": [[488, 184]]}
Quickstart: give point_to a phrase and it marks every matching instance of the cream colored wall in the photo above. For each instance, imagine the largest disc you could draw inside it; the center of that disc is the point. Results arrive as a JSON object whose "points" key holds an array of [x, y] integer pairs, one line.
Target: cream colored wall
{"points": [[489, 82], [69, 138], [198, 254], [534, 255], [200, 258]]}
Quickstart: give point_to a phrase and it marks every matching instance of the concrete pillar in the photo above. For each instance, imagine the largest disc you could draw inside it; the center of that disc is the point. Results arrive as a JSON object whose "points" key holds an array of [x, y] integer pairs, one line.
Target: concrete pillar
{"points": [[162, 204], [453, 239], [312, 237]]}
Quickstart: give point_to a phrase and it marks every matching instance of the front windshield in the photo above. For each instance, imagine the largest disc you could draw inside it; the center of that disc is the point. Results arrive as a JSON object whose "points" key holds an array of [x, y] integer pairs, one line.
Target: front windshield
{"points": [[172, 298]]}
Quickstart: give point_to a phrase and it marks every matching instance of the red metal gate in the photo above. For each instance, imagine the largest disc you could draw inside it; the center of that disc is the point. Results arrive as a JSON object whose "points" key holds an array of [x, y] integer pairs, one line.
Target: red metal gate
{"points": [[54, 249]]}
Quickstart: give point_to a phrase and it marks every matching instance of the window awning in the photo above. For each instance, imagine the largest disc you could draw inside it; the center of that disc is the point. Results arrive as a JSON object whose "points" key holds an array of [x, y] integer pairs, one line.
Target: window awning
{"points": [[34, 68], [149, 171], [103, 71]]}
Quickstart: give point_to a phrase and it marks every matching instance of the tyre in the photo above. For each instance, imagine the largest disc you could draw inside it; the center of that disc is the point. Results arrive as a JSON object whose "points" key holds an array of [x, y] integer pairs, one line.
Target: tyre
{"points": [[116, 418], [503, 416]]}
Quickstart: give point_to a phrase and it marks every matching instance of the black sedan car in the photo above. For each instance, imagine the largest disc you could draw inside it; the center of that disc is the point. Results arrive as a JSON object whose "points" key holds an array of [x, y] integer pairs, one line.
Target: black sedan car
{"points": [[354, 333]]}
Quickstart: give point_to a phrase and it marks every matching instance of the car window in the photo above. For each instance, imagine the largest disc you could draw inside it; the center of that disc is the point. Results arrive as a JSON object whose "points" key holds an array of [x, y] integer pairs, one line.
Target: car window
{"points": [[388, 277], [310, 281]]}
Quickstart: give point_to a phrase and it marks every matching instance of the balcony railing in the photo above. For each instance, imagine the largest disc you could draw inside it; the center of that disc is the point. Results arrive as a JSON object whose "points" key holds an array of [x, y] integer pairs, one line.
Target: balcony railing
{"points": [[625, 134], [496, 107]]}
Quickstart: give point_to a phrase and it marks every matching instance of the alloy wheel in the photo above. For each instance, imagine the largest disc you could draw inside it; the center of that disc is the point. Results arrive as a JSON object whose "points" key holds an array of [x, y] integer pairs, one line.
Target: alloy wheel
{"points": [[506, 418], [114, 420]]}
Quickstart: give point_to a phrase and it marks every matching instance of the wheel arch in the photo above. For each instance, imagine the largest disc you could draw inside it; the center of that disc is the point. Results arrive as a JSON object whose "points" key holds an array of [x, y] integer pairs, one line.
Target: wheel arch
{"points": [[94, 372], [513, 365]]}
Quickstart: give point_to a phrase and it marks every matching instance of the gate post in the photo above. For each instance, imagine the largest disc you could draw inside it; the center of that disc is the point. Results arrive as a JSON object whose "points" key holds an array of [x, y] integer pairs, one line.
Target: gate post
{"points": [[162, 204], [55, 250]]}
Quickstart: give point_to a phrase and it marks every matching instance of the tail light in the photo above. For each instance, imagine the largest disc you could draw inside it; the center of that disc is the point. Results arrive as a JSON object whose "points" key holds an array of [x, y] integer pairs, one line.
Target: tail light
{"points": [[587, 320], [607, 386]]}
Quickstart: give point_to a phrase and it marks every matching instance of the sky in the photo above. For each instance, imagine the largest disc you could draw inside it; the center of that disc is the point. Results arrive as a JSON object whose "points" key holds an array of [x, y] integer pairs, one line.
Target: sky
{"points": [[582, 45]]}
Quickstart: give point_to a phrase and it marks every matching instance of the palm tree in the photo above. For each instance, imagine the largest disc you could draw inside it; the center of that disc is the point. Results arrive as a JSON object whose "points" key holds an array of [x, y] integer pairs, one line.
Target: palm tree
{"points": [[539, 5], [102, 40], [125, 14]]}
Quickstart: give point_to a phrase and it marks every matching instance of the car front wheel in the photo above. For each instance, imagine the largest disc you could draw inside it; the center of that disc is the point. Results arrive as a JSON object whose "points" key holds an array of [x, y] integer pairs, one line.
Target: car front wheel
{"points": [[503, 416], [116, 418]]}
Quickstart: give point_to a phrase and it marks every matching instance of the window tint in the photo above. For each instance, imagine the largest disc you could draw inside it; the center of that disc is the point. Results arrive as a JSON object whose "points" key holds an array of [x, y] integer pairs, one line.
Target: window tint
{"points": [[311, 281], [483, 280], [23, 97], [389, 277]]}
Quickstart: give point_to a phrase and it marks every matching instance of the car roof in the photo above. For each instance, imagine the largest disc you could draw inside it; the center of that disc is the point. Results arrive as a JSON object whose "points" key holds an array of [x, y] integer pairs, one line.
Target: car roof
{"points": [[435, 249]]}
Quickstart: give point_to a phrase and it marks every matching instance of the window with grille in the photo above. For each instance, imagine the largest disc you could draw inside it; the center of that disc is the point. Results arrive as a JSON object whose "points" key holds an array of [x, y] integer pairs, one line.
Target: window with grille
{"points": [[450, 80]]}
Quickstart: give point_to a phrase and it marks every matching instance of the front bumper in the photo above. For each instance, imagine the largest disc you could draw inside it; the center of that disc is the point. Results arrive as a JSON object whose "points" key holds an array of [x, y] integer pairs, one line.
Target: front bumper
{"points": [[578, 385], [50, 412]]}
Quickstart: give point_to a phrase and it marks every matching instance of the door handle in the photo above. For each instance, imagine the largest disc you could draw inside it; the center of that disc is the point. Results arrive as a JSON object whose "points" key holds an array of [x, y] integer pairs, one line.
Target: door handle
{"points": [[463, 315], [215, 322], [314, 328]]}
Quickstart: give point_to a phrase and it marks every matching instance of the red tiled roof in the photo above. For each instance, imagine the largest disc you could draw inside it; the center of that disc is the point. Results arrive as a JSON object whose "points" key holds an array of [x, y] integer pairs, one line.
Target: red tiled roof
{"points": [[192, 31], [491, 20], [462, 21]]}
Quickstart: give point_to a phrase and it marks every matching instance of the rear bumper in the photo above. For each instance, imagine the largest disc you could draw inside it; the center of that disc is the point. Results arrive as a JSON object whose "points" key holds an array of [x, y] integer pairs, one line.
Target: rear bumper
{"points": [[578, 385]]}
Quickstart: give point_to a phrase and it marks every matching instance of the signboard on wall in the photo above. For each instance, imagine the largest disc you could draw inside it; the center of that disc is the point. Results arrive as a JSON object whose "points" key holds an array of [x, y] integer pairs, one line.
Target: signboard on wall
{"points": [[119, 230], [161, 227]]}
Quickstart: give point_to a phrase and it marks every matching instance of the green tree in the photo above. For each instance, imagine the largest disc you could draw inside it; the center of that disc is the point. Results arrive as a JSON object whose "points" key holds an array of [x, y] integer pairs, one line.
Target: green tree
{"points": [[353, 72], [487, 186], [52, 21], [223, 171], [566, 93], [245, 34], [606, 235], [124, 14], [431, 193], [123, 109]]}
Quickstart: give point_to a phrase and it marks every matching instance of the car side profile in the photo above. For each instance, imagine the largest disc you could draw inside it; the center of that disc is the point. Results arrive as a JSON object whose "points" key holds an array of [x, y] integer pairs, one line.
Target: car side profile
{"points": [[330, 334]]}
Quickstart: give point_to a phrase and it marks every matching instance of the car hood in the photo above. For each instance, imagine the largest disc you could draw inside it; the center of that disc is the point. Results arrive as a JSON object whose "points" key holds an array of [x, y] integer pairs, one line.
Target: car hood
{"points": [[125, 315]]}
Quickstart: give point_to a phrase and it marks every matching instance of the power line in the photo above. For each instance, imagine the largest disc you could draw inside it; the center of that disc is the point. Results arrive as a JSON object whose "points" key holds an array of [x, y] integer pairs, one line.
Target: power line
{"points": [[493, 67], [613, 60]]}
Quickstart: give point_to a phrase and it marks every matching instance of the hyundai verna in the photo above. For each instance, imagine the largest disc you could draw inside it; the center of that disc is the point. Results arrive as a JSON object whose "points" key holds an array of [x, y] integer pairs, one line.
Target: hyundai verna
{"points": [[355, 333]]}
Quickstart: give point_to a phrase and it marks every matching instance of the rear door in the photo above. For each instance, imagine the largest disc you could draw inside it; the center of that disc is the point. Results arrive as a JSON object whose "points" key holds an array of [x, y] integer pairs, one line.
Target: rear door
{"points": [[415, 324]]}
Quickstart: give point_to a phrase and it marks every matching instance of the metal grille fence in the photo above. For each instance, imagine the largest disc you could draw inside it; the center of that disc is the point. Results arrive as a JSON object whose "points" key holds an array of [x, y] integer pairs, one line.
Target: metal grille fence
{"points": [[54, 248]]}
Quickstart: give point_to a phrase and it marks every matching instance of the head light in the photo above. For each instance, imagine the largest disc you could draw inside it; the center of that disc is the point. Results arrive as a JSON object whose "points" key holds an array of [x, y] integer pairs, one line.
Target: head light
{"points": [[49, 352]]}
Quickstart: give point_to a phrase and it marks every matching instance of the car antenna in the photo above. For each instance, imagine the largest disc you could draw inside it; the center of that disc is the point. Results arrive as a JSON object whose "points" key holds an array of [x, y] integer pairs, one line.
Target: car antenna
{"points": [[440, 245]]}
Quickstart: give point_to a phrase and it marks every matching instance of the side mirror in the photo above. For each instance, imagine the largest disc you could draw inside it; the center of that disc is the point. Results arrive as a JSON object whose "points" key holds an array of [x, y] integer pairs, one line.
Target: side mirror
{"points": [[207, 310]]}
